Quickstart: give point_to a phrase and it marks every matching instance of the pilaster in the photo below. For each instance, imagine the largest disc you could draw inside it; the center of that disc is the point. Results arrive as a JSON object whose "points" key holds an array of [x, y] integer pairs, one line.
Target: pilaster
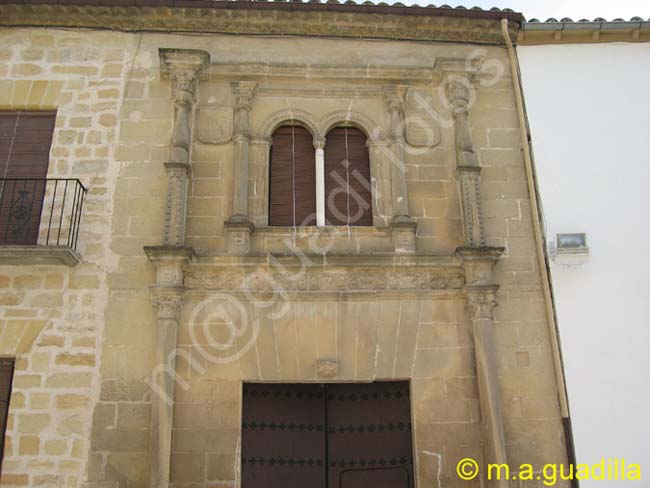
{"points": [[183, 68], [167, 296], [404, 227], [238, 227], [458, 91], [481, 294]]}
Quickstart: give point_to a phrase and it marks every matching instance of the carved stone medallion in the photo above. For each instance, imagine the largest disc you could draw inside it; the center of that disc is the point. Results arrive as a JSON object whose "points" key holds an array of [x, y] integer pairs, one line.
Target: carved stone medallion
{"points": [[214, 124]]}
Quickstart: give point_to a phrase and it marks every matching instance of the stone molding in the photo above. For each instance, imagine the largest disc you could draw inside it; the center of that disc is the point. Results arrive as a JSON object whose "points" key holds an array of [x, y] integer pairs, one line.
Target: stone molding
{"points": [[439, 26], [320, 126]]}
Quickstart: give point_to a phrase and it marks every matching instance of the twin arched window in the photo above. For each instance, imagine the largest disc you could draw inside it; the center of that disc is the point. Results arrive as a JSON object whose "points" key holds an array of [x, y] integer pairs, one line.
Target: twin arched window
{"points": [[329, 186]]}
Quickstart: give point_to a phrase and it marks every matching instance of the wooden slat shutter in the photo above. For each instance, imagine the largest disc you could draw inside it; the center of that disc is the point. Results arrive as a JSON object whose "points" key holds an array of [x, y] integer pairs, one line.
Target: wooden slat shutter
{"points": [[25, 140], [343, 208], [292, 143], [283, 436], [6, 375]]}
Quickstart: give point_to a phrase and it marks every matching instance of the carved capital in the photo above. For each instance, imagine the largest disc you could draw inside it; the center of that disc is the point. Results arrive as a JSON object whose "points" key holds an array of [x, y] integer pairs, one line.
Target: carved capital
{"points": [[481, 301], [183, 67], [319, 143], [243, 91], [458, 90], [167, 302], [394, 99]]}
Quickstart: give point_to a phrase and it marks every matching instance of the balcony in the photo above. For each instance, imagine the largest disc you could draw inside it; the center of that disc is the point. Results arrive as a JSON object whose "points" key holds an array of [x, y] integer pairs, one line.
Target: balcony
{"points": [[40, 220]]}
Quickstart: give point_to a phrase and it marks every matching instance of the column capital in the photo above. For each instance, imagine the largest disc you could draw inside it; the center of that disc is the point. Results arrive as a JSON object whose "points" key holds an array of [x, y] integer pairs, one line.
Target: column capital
{"points": [[319, 143], [183, 63], [394, 96], [183, 67], [243, 92], [458, 90], [481, 301], [167, 302]]}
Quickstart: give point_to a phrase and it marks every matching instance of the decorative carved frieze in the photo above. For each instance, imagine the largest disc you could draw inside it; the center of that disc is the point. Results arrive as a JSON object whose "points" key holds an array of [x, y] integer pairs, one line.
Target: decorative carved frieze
{"points": [[319, 279]]}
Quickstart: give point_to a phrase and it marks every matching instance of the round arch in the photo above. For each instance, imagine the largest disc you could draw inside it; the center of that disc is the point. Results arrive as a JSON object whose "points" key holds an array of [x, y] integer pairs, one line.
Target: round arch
{"points": [[340, 118], [285, 116]]}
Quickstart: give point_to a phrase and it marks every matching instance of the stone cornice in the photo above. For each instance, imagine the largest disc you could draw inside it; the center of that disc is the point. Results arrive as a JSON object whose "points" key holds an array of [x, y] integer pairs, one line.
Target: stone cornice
{"points": [[272, 18]]}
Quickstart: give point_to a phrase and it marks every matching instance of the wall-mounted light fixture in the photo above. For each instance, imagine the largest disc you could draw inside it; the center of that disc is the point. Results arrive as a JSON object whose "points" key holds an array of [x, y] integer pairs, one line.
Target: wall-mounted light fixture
{"points": [[570, 249]]}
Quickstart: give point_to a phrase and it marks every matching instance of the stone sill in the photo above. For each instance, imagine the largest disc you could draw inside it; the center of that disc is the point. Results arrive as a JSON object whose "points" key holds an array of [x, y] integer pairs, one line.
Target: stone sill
{"points": [[315, 231], [38, 255]]}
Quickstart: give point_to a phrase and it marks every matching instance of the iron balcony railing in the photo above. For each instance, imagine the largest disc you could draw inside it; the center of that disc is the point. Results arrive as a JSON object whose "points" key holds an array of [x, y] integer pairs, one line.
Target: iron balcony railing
{"points": [[40, 211]]}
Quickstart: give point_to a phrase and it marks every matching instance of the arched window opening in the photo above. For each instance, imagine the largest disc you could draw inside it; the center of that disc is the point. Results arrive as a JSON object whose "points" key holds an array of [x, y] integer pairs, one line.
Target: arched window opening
{"points": [[292, 178], [348, 198]]}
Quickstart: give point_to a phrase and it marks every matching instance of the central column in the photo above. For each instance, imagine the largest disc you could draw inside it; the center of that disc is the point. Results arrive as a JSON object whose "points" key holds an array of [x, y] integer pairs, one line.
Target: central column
{"points": [[239, 227], [319, 146]]}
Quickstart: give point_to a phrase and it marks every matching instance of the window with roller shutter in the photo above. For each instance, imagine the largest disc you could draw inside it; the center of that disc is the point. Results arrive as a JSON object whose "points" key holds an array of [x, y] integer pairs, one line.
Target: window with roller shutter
{"points": [[25, 140], [347, 178], [292, 179], [6, 375]]}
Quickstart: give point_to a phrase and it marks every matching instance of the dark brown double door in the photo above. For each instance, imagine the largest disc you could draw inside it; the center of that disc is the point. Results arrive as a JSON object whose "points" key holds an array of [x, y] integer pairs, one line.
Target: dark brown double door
{"points": [[332, 436]]}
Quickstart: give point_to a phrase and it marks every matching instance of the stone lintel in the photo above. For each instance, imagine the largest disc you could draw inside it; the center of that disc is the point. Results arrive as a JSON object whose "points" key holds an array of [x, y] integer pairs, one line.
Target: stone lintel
{"points": [[38, 255]]}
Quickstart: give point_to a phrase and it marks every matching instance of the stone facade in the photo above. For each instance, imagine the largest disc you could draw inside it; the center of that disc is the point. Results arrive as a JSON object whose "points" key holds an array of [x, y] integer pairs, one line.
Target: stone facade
{"points": [[171, 135]]}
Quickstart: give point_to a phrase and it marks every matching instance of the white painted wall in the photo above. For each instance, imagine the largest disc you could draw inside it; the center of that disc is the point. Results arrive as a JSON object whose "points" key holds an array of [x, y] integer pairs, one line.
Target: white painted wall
{"points": [[589, 112]]}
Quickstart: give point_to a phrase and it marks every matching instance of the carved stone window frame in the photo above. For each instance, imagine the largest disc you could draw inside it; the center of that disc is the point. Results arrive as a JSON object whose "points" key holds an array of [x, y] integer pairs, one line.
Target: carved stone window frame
{"points": [[319, 127]]}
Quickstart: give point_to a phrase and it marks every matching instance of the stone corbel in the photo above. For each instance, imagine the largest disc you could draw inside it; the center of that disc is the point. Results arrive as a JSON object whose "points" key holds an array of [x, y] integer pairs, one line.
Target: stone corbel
{"points": [[458, 90], [481, 294], [239, 227], [182, 67], [404, 228], [167, 296]]}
